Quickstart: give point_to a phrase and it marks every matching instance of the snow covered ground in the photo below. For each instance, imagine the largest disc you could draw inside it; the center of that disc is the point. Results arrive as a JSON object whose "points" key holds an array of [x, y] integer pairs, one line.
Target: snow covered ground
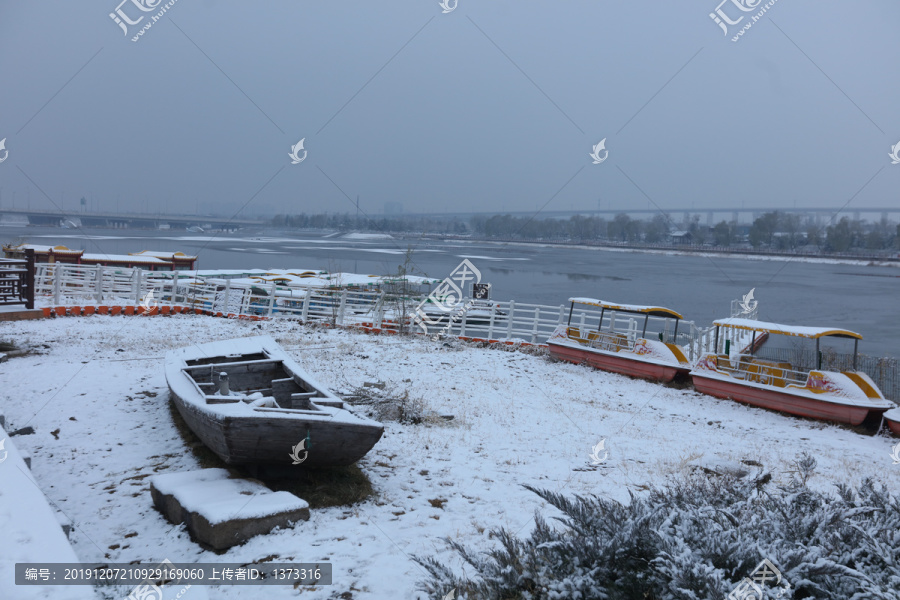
{"points": [[97, 385]]}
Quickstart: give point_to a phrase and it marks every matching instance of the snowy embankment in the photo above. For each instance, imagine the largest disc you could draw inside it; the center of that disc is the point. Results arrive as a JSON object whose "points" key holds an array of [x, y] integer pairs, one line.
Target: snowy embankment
{"points": [[97, 398], [29, 529]]}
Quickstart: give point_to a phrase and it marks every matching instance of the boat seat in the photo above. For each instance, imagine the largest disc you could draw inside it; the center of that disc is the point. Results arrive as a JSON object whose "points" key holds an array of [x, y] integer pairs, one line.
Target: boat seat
{"points": [[301, 400], [574, 333], [767, 372], [613, 342], [724, 363]]}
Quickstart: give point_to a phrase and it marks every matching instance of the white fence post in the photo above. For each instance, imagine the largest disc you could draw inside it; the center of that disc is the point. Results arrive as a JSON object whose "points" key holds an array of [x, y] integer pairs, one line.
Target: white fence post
{"points": [[173, 297], [379, 311], [342, 307], [137, 286], [509, 325], [271, 300], [98, 283], [462, 325], [490, 331], [305, 313], [562, 314], [534, 328], [57, 275], [246, 298], [225, 301]]}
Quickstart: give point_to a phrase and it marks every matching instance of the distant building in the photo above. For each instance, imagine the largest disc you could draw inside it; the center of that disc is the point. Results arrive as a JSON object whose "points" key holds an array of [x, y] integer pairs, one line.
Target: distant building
{"points": [[152, 261], [681, 237]]}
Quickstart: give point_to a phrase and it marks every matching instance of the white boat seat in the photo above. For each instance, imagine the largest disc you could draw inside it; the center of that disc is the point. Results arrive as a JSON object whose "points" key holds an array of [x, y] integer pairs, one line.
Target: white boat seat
{"points": [[301, 400]]}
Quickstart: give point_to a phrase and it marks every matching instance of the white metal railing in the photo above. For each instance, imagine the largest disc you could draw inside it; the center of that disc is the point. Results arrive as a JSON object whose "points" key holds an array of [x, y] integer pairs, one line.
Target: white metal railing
{"points": [[83, 285], [768, 372]]}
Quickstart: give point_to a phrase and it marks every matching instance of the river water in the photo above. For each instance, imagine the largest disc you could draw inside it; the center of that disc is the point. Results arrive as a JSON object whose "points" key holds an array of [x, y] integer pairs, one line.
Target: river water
{"points": [[858, 297]]}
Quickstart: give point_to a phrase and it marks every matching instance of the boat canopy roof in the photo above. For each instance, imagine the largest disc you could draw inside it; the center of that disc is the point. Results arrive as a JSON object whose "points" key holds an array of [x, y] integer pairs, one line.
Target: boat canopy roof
{"points": [[654, 311], [794, 330]]}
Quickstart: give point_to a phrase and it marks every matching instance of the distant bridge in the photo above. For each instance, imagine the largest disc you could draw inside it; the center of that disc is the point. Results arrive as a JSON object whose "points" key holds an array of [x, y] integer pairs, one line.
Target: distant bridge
{"points": [[132, 220]]}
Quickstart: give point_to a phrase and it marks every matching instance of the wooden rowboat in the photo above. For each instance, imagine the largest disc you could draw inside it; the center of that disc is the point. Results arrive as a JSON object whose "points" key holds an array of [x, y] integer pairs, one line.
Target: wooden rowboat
{"points": [[251, 404], [779, 382], [617, 338]]}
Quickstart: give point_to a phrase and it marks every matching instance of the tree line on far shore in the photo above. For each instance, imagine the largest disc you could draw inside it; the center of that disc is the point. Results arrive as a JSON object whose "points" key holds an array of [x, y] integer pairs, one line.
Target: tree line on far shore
{"points": [[772, 230]]}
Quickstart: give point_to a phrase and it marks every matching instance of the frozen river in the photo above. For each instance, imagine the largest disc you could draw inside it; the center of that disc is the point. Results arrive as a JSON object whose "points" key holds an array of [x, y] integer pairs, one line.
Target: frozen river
{"points": [[854, 296]]}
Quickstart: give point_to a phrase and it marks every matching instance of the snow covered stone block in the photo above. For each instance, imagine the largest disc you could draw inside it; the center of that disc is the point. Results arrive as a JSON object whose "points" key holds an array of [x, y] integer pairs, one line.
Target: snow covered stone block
{"points": [[221, 512]]}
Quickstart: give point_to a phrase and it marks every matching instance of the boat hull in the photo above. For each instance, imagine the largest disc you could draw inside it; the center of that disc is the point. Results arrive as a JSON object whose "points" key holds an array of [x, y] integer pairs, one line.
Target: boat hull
{"points": [[893, 425], [783, 401], [617, 363], [269, 440], [271, 407]]}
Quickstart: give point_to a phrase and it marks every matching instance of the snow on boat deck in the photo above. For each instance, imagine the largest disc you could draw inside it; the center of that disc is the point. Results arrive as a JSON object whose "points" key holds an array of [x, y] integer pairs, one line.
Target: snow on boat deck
{"points": [[520, 419]]}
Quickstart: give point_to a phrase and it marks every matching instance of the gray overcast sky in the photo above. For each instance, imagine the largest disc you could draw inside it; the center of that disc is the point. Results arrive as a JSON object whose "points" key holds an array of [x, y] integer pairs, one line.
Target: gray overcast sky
{"points": [[493, 106]]}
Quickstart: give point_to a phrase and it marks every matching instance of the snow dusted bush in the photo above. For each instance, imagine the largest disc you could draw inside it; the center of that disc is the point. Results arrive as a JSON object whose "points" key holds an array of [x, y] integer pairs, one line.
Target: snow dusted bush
{"points": [[695, 538]]}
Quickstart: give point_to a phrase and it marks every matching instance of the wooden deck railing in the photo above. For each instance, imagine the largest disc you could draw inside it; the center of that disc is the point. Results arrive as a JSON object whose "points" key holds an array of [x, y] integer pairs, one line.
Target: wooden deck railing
{"points": [[17, 281]]}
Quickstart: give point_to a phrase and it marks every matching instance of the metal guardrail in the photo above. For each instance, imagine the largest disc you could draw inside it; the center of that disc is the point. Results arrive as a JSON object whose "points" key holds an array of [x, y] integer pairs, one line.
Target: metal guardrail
{"points": [[75, 285]]}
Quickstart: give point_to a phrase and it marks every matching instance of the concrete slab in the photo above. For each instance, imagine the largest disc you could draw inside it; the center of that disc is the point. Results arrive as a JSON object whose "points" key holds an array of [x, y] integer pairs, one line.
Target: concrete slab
{"points": [[221, 512]]}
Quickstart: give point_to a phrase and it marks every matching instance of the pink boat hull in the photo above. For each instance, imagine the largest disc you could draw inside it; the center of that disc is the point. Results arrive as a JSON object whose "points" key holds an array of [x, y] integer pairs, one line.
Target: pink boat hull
{"points": [[785, 402], [616, 364], [893, 425]]}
